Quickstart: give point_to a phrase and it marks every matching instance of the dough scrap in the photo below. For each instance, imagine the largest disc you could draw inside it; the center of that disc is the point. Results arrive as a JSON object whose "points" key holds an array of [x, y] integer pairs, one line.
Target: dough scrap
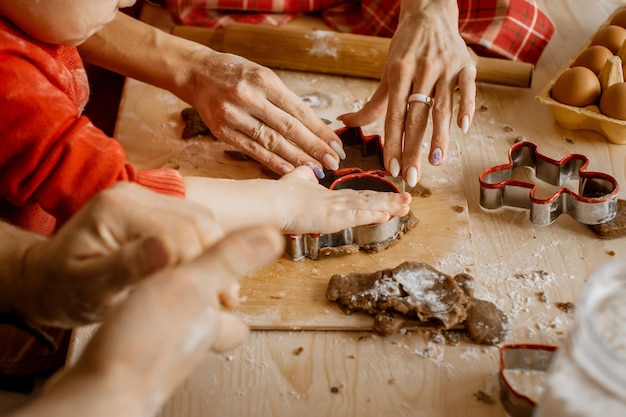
{"points": [[194, 126], [485, 323], [415, 290], [416, 295]]}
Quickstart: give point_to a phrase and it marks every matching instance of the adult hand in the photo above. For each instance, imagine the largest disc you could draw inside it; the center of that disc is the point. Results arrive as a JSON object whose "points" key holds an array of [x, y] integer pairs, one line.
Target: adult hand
{"points": [[147, 346], [427, 56], [248, 106], [119, 237]]}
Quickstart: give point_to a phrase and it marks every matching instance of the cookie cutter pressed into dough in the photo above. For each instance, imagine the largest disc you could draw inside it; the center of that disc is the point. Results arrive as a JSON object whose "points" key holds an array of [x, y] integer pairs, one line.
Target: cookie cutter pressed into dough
{"points": [[371, 150], [525, 357], [355, 238], [595, 202], [311, 245]]}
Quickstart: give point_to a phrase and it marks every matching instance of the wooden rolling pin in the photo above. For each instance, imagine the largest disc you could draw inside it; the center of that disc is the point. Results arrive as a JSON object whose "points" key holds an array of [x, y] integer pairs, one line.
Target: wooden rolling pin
{"points": [[330, 52]]}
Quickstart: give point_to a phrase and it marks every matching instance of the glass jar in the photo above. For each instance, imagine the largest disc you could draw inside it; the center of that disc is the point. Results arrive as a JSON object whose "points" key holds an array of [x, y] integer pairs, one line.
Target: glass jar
{"points": [[588, 374]]}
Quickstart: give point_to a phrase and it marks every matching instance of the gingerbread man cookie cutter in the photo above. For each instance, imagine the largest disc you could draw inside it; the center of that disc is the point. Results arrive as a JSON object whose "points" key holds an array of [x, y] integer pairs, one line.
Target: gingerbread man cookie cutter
{"points": [[367, 237], [594, 203]]}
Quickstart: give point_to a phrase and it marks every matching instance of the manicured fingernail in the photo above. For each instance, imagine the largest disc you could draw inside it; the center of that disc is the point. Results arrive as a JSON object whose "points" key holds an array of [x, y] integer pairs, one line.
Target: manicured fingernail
{"points": [[337, 147], [411, 176], [317, 171], [394, 167], [435, 157], [330, 162], [465, 121]]}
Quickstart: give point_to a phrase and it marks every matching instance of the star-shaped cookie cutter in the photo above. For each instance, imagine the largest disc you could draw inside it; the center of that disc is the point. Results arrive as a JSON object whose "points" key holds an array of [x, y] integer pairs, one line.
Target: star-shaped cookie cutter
{"points": [[595, 202], [370, 238]]}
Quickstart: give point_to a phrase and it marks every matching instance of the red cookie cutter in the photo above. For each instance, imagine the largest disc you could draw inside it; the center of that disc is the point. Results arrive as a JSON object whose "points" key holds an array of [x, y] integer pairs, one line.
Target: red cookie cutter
{"points": [[370, 146], [595, 202], [522, 357], [300, 246]]}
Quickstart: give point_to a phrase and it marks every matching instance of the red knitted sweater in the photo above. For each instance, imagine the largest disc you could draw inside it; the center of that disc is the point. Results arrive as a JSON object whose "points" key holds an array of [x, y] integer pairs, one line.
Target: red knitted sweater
{"points": [[52, 159]]}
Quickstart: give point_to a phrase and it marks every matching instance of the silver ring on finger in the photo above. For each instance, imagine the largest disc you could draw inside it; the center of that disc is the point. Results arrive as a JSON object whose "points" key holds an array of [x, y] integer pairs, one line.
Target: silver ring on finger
{"points": [[422, 98], [257, 130]]}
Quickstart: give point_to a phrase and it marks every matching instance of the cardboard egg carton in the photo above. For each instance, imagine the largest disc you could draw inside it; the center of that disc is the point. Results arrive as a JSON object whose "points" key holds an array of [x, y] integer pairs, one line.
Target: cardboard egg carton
{"points": [[589, 117]]}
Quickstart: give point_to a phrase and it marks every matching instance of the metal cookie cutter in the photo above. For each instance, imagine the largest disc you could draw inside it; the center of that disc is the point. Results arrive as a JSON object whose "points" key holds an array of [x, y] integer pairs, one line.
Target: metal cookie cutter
{"points": [[355, 238], [521, 359], [595, 202], [370, 145], [367, 237], [368, 158]]}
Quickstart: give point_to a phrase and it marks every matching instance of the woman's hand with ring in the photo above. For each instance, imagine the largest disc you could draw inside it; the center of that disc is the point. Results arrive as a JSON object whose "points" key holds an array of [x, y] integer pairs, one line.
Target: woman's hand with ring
{"points": [[427, 59], [248, 106]]}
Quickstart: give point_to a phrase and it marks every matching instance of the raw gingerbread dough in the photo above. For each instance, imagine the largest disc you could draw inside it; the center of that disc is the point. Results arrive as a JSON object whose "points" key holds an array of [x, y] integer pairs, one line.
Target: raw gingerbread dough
{"points": [[412, 289], [485, 323], [194, 126], [414, 295]]}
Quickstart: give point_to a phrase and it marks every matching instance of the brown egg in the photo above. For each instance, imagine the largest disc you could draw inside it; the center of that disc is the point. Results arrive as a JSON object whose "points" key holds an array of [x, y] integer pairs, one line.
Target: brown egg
{"points": [[593, 58], [611, 36], [577, 86], [619, 18], [613, 101]]}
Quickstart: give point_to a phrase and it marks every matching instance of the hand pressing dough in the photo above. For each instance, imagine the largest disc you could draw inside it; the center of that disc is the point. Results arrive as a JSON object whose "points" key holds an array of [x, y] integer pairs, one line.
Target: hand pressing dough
{"points": [[415, 295]]}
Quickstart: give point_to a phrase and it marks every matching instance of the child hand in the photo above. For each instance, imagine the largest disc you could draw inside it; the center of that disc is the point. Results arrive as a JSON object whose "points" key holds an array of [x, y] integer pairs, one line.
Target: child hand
{"points": [[294, 204], [311, 208]]}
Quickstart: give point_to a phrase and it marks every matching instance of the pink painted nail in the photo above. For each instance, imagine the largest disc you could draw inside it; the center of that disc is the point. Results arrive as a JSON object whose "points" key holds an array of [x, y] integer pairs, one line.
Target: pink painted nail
{"points": [[435, 157]]}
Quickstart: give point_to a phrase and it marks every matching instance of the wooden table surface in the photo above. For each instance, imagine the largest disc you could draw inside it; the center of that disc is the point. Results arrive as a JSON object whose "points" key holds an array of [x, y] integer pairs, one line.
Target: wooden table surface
{"points": [[295, 372]]}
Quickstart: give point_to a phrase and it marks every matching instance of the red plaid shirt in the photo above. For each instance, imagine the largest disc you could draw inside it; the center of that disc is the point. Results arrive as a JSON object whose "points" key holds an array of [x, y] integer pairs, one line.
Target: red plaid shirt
{"points": [[512, 29]]}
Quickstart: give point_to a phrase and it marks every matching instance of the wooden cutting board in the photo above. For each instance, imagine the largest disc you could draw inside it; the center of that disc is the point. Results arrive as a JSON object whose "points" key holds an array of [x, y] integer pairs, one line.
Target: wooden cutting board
{"points": [[290, 294]]}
